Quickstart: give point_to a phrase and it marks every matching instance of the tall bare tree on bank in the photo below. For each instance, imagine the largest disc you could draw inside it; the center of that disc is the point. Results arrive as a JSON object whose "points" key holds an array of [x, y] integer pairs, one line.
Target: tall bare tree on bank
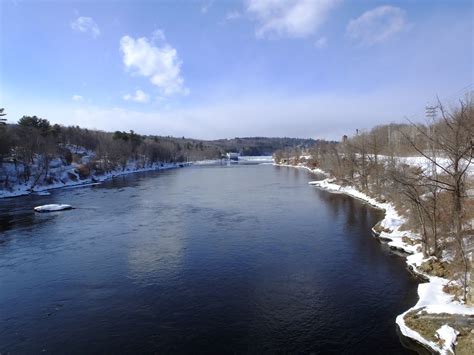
{"points": [[360, 146], [412, 183], [454, 140]]}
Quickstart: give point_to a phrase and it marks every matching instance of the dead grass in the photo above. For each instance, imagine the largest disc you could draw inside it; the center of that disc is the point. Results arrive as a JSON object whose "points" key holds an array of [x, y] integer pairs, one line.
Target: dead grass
{"points": [[426, 324]]}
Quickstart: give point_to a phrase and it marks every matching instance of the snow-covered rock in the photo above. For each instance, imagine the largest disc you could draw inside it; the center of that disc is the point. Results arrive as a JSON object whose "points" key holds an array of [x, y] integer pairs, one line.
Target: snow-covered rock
{"points": [[52, 208]]}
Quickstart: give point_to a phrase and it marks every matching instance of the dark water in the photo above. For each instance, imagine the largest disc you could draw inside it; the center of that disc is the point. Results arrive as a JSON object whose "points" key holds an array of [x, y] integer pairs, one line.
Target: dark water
{"points": [[241, 259]]}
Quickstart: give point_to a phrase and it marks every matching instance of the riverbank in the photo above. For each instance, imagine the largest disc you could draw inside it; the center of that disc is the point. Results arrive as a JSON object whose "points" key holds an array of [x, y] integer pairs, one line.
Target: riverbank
{"points": [[69, 177], [437, 321], [62, 176]]}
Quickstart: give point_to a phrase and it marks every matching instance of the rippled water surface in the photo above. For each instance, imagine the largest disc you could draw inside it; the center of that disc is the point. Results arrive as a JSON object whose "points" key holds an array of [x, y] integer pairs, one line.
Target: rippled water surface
{"points": [[221, 259]]}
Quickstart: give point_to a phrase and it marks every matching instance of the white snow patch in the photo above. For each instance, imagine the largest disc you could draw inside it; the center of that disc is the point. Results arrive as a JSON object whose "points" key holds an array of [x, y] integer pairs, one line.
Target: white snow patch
{"points": [[448, 337], [426, 164], [257, 158], [52, 208], [207, 162], [302, 166]]}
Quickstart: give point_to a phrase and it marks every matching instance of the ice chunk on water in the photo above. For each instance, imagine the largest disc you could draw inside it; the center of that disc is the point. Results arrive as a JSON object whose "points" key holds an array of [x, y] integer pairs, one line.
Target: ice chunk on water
{"points": [[52, 208]]}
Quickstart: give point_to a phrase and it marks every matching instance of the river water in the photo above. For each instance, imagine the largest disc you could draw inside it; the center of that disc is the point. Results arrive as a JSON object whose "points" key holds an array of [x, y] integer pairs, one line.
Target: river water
{"points": [[211, 259]]}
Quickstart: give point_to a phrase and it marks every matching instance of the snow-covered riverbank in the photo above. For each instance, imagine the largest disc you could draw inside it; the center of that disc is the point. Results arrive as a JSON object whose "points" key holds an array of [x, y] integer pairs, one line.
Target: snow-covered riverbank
{"points": [[432, 298], [66, 176], [62, 176]]}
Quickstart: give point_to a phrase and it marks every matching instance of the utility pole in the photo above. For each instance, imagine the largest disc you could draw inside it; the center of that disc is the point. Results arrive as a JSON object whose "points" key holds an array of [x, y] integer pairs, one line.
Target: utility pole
{"points": [[430, 112]]}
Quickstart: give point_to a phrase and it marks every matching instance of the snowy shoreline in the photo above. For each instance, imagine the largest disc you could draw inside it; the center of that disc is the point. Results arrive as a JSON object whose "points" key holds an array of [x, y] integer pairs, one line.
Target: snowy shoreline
{"points": [[26, 189], [432, 298]]}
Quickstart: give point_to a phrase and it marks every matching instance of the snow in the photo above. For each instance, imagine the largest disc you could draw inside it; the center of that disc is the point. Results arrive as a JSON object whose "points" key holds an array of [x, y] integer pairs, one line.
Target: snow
{"points": [[426, 164], [207, 162], [392, 221], [448, 336], [302, 166], [52, 208], [432, 298], [257, 159], [410, 333], [62, 177], [262, 159]]}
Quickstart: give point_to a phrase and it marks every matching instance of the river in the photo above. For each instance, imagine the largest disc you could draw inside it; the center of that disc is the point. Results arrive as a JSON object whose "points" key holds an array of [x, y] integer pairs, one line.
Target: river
{"points": [[210, 259]]}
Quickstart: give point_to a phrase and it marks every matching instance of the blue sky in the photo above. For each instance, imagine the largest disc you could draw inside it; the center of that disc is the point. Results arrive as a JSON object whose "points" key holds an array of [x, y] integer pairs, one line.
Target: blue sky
{"points": [[213, 69]]}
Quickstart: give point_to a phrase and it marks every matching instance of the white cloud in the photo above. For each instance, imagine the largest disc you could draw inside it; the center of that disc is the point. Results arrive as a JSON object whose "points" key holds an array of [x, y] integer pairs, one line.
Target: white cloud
{"points": [[293, 18], [86, 25], [321, 43], [156, 60], [77, 98], [377, 25], [139, 96]]}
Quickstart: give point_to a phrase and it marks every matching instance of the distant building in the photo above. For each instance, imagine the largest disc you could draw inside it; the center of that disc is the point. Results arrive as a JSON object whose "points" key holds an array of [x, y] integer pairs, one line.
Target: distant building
{"points": [[232, 156]]}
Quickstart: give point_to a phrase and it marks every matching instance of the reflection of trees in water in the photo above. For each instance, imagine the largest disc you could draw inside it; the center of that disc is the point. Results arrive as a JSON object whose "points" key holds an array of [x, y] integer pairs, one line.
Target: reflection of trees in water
{"points": [[357, 220], [6, 222], [356, 213], [18, 215]]}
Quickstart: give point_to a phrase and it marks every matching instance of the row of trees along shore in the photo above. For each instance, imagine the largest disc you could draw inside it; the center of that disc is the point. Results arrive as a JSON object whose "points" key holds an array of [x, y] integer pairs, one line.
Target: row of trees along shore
{"points": [[436, 197], [36, 140], [33, 144]]}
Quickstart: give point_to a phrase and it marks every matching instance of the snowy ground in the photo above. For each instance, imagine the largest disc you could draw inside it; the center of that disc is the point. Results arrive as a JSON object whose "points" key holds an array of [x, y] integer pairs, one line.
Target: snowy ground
{"points": [[432, 299], [426, 164], [314, 171]]}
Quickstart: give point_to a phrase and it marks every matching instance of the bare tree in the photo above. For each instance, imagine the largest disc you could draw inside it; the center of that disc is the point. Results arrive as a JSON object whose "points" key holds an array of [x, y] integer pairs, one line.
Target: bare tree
{"points": [[454, 140]]}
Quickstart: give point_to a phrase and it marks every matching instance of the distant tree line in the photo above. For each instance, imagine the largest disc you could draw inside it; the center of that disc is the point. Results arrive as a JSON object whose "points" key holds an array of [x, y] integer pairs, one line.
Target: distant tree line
{"points": [[33, 143], [34, 138], [261, 145]]}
